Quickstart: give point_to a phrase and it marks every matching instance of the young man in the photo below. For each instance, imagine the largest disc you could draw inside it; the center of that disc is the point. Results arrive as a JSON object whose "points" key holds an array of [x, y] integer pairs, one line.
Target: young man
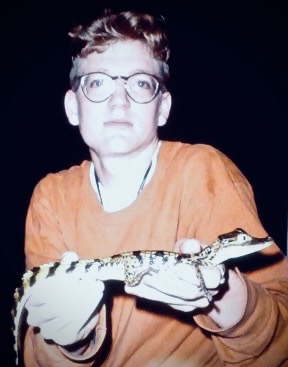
{"points": [[139, 193]]}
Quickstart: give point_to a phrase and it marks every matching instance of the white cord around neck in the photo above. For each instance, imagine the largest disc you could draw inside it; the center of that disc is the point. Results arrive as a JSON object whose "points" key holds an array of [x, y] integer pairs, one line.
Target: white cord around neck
{"points": [[112, 200]]}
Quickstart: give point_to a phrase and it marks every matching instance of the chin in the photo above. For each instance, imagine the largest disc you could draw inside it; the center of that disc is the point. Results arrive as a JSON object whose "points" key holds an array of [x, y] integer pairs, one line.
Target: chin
{"points": [[114, 152], [118, 147]]}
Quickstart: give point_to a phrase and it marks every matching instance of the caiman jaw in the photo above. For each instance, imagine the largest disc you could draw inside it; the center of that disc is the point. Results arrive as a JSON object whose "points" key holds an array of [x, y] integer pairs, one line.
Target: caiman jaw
{"points": [[258, 240], [236, 244]]}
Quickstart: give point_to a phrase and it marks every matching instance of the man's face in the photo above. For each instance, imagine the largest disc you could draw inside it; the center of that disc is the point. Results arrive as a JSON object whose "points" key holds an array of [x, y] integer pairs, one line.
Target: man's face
{"points": [[118, 125]]}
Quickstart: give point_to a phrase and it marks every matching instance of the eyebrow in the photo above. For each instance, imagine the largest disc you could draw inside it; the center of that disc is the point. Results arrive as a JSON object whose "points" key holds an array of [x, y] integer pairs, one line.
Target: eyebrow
{"points": [[131, 72]]}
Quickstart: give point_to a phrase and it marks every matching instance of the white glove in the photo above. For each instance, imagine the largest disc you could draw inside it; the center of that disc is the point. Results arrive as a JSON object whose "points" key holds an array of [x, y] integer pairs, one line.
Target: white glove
{"points": [[180, 287], [64, 306]]}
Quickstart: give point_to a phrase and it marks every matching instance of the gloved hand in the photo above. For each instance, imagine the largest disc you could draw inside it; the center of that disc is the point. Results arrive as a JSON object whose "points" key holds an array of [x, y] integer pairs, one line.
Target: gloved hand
{"points": [[64, 306], [181, 287]]}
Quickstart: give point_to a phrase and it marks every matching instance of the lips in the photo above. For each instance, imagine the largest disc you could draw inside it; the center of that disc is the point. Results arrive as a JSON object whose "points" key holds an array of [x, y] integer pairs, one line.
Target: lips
{"points": [[118, 123]]}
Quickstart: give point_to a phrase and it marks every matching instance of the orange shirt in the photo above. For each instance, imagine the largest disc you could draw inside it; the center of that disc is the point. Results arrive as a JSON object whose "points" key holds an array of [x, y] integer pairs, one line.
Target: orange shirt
{"points": [[196, 192]]}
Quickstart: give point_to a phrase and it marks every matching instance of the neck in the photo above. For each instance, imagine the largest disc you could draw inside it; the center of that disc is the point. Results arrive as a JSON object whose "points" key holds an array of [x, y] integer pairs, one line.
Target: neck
{"points": [[123, 170]]}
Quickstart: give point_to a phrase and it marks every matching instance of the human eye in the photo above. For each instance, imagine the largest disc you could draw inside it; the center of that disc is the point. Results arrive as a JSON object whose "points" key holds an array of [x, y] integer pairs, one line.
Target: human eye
{"points": [[143, 82], [94, 81]]}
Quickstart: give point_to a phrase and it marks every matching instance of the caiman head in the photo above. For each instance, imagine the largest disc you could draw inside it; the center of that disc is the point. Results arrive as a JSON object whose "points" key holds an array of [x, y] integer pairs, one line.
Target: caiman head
{"points": [[238, 243]]}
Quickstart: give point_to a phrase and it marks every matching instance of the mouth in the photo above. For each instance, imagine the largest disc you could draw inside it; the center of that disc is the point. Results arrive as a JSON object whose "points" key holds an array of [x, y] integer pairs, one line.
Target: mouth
{"points": [[118, 123]]}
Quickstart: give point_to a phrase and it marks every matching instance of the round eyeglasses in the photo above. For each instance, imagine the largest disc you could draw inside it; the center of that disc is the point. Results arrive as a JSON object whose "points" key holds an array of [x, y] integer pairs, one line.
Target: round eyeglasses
{"points": [[140, 87]]}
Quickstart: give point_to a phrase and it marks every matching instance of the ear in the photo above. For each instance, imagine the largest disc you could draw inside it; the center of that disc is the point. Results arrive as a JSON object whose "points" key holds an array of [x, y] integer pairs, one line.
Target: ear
{"points": [[71, 107], [164, 108]]}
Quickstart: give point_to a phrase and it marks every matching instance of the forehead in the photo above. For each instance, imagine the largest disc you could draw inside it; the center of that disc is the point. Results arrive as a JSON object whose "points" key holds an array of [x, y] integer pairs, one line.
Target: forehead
{"points": [[122, 58]]}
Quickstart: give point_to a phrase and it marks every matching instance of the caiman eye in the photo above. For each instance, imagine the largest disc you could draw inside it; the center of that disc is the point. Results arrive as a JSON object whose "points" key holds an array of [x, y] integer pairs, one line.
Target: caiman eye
{"points": [[243, 238]]}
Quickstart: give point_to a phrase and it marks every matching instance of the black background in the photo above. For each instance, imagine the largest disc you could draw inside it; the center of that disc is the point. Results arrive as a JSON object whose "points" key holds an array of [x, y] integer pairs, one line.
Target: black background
{"points": [[228, 81]]}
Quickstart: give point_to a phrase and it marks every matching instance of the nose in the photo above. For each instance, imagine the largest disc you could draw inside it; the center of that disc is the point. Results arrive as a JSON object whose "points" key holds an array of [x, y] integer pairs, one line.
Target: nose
{"points": [[120, 97]]}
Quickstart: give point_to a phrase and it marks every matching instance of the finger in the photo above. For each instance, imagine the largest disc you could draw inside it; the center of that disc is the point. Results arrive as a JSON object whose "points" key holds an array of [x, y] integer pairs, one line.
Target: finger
{"points": [[187, 246], [165, 287], [191, 306], [153, 294], [56, 312], [174, 302], [37, 316], [222, 271], [211, 276], [183, 281], [68, 325], [68, 333], [188, 273], [69, 256]]}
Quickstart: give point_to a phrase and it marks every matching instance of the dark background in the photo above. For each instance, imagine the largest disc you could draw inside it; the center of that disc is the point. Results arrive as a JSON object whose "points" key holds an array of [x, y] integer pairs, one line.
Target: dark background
{"points": [[229, 85]]}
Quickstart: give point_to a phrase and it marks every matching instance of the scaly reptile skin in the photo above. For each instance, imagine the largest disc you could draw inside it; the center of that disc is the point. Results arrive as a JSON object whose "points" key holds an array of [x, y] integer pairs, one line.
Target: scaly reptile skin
{"points": [[130, 267]]}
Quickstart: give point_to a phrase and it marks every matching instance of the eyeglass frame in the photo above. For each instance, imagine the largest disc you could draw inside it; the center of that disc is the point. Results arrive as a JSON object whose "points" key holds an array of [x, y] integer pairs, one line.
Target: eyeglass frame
{"points": [[78, 82]]}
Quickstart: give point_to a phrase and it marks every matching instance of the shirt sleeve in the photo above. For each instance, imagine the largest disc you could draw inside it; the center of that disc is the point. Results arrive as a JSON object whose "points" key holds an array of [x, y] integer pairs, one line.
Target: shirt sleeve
{"points": [[226, 202], [45, 242], [260, 337]]}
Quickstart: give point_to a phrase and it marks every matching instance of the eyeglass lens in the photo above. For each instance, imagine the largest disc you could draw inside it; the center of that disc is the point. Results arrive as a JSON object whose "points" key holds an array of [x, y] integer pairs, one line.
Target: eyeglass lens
{"points": [[141, 87]]}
